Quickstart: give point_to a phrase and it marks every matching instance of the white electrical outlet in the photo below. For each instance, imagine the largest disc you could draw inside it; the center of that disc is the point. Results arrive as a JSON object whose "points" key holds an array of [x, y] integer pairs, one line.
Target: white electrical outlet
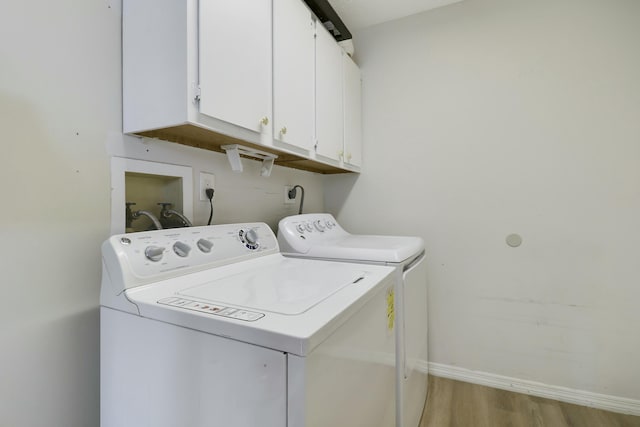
{"points": [[207, 180], [287, 200]]}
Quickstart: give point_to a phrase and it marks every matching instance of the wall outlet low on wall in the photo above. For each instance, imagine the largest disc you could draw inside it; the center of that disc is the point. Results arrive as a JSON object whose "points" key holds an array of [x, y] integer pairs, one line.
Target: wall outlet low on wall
{"points": [[207, 180]]}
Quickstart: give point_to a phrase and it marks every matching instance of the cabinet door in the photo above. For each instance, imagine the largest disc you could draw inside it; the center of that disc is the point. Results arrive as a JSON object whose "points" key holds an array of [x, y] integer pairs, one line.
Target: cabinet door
{"points": [[329, 108], [352, 112], [235, 61], [293, 69]]}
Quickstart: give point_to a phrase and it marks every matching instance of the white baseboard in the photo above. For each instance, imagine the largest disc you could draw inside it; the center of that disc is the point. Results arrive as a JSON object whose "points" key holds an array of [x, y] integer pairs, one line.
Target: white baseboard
{"points": [[579, 397]]}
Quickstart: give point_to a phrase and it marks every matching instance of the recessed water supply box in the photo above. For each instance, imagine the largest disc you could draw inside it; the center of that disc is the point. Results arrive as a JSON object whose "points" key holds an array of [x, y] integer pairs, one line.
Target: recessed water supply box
{"points": [[138, 187]]}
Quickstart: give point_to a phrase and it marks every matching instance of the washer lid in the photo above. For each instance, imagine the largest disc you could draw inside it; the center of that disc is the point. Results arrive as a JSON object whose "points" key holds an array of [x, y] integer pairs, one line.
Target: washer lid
{"points": [[355, 247], [289, 287]]}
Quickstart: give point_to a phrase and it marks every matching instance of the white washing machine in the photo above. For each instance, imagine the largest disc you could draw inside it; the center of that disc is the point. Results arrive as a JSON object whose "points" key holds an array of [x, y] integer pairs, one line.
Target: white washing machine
{"points": [[212, 326], [319, 236]]}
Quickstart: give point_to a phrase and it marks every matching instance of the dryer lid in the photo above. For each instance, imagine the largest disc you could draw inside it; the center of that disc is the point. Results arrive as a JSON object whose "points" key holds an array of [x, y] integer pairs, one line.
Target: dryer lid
{"points": [[384, 249]]}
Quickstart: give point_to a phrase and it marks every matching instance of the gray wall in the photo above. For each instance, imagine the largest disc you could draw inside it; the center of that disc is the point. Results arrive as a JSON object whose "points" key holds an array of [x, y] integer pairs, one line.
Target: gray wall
{"points": [[491, 117], [60, 123]]}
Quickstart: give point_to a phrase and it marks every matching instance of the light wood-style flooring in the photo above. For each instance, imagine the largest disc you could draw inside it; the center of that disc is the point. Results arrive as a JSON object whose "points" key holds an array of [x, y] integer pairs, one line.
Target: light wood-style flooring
{"points": [[458, 404]]}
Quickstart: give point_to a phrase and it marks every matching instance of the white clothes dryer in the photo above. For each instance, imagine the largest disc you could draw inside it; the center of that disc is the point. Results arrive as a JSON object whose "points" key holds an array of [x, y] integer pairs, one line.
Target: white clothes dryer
{"points": [[319, 236], [212, 326]]}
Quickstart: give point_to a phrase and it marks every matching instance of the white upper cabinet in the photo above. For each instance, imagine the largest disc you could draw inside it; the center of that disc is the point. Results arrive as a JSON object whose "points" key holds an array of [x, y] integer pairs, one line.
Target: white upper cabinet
{"points": [[352, 112], [293, 73], [235, 61], [259, 73], [329, 105], [155, 66]]}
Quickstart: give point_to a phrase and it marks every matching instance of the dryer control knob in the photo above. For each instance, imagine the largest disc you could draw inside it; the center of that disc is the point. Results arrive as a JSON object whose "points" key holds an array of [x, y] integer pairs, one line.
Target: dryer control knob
{"points": [[300, 228], [181, 249], [329, 224], [308, 226], [154, 253], [251, 236], [205, 245], [319, 225]]}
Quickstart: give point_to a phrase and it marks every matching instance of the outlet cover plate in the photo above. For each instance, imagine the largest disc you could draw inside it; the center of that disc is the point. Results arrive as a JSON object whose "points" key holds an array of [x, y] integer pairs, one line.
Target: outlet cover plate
{"points": [[207, 180]]}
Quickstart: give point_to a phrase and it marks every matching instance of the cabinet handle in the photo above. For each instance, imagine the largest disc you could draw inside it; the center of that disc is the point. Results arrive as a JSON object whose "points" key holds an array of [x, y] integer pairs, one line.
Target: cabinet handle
{"points": [[283, 131], [341, 153], [264, 121], [349, 157]]}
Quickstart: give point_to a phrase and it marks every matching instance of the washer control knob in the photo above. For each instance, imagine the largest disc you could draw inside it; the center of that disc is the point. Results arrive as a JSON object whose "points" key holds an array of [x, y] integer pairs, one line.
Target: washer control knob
{"points": [[300, 228], [329, 224], [154, 253], [181, 249], [205, 245], [251, 236], [308, 226], [319, 225]]}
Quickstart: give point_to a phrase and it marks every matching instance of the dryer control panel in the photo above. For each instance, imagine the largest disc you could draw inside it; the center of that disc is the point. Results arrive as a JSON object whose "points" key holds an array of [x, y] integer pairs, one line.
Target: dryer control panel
{"points": [[136, 259], [320, 236], [300, 232]]}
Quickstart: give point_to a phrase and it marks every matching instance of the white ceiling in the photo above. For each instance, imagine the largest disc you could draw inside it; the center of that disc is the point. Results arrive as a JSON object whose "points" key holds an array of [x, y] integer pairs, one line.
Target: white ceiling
{"points": [[358, 14]]}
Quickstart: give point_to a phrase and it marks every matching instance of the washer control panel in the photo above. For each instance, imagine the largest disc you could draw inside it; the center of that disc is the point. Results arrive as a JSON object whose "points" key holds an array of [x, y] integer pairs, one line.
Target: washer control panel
{"points": [[135, 259], [217, 310]]}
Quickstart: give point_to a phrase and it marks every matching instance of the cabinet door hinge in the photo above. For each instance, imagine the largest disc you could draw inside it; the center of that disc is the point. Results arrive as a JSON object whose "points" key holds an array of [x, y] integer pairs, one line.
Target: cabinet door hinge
{"points": [[197, 93]]}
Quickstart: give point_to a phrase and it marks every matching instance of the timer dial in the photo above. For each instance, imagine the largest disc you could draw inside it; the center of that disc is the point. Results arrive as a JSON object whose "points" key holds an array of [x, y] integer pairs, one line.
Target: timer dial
{"points": [[251, 236]]}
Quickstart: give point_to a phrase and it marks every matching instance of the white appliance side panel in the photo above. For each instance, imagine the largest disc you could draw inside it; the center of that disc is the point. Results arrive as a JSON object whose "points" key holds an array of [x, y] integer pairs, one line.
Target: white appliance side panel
{"points": [[154, 63], [155, 374], [348, 380], [235, 61], [414, 316]]}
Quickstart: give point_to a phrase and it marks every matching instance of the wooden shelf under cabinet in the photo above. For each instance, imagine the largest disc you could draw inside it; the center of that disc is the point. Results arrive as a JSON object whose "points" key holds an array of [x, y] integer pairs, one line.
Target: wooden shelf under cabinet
{"points": [[194, 136]]}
